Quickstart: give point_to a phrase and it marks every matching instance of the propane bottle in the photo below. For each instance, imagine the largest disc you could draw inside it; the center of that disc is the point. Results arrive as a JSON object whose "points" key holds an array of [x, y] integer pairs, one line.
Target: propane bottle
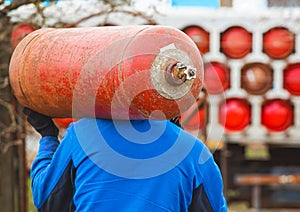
{"points": [[235, 114], [194, 118], [216, 78], [200, 36], [63, 122], [112, 72], [256, 78], [291, 79], [19, 32], [236, 42], [278, 43], [277, 115]]}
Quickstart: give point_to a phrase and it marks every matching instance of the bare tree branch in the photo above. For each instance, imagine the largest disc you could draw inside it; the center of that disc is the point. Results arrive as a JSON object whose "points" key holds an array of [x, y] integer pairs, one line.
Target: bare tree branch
{"points": [[148, 19], [11, 113], [4, 82], [6, 146], [15, 5]]}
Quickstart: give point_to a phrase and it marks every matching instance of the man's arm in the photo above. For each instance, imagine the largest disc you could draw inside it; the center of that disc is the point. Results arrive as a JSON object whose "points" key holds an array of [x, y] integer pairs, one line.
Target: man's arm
{"points": [[40, 168], [208, 195], [52, 170]]}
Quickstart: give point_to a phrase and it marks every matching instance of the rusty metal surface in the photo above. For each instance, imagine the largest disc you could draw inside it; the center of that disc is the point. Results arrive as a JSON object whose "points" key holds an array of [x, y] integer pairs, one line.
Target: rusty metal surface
{"points": [[103, 72]]}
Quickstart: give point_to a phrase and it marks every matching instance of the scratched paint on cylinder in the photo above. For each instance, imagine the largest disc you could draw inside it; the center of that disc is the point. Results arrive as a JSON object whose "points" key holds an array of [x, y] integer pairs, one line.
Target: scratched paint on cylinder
{"points": [[88, 72]]}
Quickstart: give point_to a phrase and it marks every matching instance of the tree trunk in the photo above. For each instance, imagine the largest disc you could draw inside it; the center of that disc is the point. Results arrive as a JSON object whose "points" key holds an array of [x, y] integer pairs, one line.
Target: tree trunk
{"points": [[12, 151]]}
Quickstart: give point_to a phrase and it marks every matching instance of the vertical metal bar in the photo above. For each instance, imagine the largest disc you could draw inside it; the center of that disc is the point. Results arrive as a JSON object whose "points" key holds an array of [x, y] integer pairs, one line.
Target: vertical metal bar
{"points": [[224, 167], [256, 192]]}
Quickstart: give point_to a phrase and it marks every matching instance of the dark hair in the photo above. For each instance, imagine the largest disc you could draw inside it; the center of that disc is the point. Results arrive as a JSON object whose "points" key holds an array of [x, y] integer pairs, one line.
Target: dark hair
{"points": [[176, 121]]}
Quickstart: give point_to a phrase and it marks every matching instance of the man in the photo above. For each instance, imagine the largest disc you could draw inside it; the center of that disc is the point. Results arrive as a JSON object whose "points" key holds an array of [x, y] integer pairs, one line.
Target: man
{"points": [[119, 165]]}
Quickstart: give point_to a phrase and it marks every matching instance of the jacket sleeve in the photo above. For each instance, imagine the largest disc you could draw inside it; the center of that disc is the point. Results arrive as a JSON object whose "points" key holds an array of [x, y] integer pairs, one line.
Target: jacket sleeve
{"points": [[51, 175], [208, 191]]}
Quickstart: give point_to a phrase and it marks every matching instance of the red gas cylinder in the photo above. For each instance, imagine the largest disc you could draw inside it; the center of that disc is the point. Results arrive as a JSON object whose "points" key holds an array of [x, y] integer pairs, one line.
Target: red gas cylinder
{"points": [[63, 122], [236, 42], [194, 117], [216, 77], [19, 32], [199, 36], [257, 78], [119, 72], [235, 114], [277, 114], [291, 79], [278, 42]]}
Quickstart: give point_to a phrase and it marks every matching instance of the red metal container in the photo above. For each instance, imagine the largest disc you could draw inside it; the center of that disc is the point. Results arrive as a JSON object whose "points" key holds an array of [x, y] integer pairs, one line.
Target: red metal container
{"points": [[216, 78], [291, 79], [236, 42], [19, 32], [194, 118], [277, 114], [235, 114], [119, 72], [200, 36], [278, 42], [63, 122], [256, 78]]}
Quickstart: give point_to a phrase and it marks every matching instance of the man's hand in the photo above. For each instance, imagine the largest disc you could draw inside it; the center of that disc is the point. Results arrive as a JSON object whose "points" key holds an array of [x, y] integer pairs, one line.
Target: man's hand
{"points": [[41, 123]]}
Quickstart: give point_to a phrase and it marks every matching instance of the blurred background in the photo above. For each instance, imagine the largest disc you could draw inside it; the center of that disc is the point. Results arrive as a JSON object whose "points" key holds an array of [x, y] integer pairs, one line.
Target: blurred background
{"points": [[248, 112]]}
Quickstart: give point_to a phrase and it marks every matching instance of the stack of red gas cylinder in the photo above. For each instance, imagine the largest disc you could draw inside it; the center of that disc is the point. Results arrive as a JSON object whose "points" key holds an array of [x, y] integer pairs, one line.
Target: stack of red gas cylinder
{"points": [[250, 74]]}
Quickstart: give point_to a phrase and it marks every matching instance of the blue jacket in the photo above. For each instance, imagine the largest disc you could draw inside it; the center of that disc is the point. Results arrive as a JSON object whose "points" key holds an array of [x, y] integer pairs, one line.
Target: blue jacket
{"points": [[141, 165]]}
